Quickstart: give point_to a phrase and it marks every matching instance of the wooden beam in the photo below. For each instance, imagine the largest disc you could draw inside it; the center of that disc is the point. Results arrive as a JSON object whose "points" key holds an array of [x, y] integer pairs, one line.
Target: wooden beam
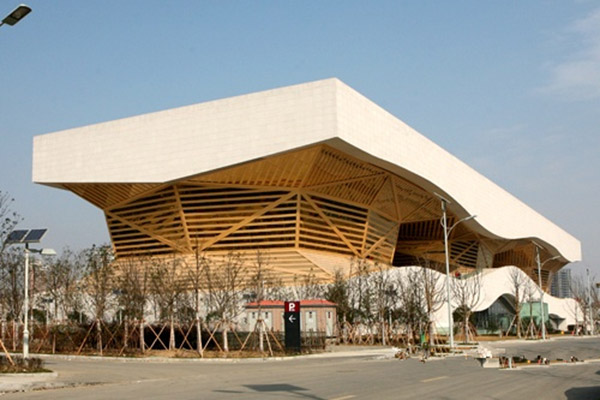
{"points": [[331, 224], [147, 232], [138, 196], [342, 181], [298, 206], [381, 240], [247, 220], [182, 217], [395, 194], [413, 212], [459, 255]]}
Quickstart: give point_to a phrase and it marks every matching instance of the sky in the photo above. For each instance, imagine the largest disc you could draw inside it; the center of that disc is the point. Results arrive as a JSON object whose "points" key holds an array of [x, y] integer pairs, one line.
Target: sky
{"points": [[511, 88]]}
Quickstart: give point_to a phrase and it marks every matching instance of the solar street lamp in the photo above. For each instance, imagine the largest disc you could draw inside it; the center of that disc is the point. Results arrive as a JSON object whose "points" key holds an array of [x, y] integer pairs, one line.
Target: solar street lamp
{"points": [[539, 268], [444, 222], [16, 15], [27, 237]]}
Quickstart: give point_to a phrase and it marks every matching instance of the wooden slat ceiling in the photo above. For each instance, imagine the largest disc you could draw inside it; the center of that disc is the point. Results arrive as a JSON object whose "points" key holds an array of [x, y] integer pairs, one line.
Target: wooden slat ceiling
{"points": [[317, 199]]}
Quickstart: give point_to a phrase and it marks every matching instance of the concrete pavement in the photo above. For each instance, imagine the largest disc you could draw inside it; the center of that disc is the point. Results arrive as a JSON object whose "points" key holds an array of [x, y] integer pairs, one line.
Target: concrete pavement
{"points": [[347, 369]]}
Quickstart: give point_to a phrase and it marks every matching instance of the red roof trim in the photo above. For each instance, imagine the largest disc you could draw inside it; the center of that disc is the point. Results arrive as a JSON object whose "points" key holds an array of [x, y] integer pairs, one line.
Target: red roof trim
{"points": [[303, 303]]}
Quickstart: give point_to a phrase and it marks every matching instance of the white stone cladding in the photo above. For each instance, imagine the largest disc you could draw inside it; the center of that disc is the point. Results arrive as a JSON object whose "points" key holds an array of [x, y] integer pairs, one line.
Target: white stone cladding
{"points": [[173, 144]]}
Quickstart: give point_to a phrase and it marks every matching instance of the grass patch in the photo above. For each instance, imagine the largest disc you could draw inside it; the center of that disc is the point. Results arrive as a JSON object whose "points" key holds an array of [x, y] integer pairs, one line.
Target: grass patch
{"points": [[22, 366]]}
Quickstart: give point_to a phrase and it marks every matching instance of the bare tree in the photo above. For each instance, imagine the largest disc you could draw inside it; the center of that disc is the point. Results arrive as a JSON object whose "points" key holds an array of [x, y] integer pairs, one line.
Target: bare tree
{"points": [[225, 280], [361, 291], [11, 283], [384, 296], [10, 266], [308, 286], [62, 280], [467, 293], [133, 283], [8, 219], [196, 277], [168, 290], [433, 292], [413, 308], [584, 294], [518, 282], [99, 284], [338, 293], [261, 279], [530, 294]]}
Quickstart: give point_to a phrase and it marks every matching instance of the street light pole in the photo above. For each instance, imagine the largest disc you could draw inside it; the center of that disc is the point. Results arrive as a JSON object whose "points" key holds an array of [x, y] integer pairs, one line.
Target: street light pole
{"points": [[539, 268], [590, 302], [450, 320], [447, 231], [26, 306], [27, 236]]}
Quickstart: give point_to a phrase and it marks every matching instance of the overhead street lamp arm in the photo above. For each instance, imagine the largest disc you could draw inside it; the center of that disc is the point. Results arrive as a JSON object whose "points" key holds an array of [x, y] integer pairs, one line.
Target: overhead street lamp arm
{"points": [[16, 15], [550, 259], [459, 221]]}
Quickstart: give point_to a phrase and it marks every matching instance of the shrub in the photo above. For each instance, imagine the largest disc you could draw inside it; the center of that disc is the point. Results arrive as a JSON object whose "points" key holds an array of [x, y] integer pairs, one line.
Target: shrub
{"points": [[32, 364]]}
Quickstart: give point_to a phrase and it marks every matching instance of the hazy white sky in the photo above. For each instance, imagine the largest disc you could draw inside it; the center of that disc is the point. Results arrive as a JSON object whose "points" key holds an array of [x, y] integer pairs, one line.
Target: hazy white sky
{"points": [[511, 88]]}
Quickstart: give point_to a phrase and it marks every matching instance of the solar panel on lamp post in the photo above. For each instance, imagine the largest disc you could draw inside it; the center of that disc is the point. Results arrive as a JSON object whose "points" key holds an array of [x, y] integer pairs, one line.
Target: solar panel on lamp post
{"points": [[16, 15], [26, 237], [444, 222]]}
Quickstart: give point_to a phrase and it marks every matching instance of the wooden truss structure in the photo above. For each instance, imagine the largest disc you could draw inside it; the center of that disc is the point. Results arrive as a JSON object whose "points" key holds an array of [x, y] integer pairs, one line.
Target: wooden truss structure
{"points": [[309, 208]]}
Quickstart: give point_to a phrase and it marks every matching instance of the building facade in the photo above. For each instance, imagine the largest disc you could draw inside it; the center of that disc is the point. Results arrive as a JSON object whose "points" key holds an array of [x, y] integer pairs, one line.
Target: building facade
{"points": [[561, 284], [313, 174], [316, 316]]}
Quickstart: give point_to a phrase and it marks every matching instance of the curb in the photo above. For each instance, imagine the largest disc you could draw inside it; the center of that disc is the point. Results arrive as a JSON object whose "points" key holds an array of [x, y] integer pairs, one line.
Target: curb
{"points": [[341, 354]]}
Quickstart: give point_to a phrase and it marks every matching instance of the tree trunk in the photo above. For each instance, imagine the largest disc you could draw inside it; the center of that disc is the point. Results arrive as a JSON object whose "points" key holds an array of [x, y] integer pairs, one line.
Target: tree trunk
{"points": [[171, 333], [431, 334], [261, 327], [466, 327], [14, 335], [199, 345], [142, 339], [225, 341], [99, 335], [518, 311], [125, 333]]}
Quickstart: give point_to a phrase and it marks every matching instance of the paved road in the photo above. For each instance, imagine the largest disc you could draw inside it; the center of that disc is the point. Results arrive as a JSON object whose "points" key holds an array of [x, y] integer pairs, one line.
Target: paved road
{"points": [[563, 347], [320, 378]]}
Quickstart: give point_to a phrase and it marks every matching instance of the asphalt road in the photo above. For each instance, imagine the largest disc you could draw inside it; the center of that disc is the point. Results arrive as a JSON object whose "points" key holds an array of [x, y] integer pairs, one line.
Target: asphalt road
{"points": [[562, 347], [320, 378]]}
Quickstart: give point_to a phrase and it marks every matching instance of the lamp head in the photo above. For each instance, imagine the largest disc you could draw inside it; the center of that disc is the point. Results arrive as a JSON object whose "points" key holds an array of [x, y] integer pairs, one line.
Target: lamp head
{"points": [[48, 252], [16, 15]]}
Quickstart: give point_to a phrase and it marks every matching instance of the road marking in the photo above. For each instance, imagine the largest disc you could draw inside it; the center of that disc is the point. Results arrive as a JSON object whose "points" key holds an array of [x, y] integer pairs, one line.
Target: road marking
{"points": [[344, 397], [437, 378]]}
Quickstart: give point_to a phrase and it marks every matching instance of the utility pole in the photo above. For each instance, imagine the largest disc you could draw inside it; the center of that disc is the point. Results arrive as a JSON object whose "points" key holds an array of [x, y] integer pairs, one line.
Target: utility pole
{"points": [[589, 293]]}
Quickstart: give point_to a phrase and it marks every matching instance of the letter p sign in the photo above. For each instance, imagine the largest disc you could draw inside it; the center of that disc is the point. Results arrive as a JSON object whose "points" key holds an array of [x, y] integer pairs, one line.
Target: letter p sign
{"points": [[292, 306]]}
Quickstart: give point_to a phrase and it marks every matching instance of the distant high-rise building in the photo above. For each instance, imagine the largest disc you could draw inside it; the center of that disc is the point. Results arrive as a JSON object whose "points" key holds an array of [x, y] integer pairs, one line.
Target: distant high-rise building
{"points": [[561, 284]]}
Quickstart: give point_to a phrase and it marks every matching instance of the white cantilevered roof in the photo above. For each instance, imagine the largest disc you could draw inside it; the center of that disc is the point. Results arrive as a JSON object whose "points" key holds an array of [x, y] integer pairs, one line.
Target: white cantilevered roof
{"points": [[168, 145]]}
